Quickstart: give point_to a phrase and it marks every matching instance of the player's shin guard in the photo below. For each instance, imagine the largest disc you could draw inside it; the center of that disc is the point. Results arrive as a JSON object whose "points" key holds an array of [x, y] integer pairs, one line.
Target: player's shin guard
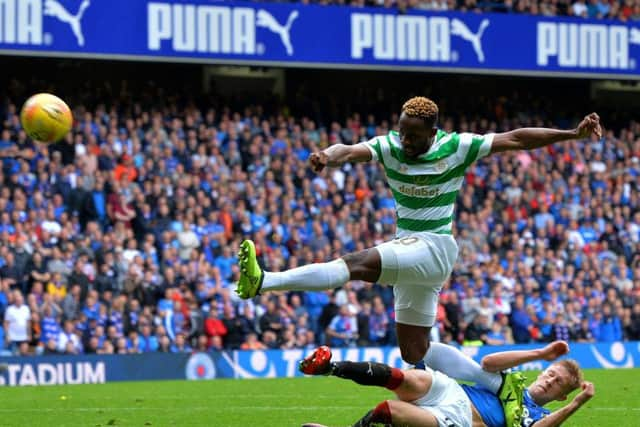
{"points": [[369, 373], [381, 414]]}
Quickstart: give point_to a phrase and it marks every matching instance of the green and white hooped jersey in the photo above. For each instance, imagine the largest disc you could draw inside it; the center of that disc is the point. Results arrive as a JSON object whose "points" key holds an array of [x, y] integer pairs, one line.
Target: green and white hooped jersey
{"points": [[425, 189]]}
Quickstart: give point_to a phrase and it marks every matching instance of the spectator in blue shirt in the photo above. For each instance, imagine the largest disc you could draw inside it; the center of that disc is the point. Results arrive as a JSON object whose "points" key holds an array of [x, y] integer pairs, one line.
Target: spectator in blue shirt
{"points": [[610, 327], [378, 323], [594, 325], [521, 322], [2, 341], [543, 218], [587, 231], [496, 336], [147, 342], [225, 262], [175, 321], [8, 152], [4, 301], [91, 308], [50, 327], [180, 345], [343, 329], [99, 202]]}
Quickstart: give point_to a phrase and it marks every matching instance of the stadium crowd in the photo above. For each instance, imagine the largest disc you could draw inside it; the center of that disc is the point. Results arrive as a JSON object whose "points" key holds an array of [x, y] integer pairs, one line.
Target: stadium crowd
{"points": [[622, 10], [122, 238]]}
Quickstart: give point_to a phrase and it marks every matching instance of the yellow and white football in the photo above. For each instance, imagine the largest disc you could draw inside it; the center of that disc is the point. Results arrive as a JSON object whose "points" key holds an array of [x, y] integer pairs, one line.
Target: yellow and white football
{"points": [[46, 118]]}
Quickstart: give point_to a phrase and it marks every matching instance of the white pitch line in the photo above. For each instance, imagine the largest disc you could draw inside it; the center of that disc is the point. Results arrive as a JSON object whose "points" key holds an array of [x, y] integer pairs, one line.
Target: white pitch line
{"points": [[613, 409]]}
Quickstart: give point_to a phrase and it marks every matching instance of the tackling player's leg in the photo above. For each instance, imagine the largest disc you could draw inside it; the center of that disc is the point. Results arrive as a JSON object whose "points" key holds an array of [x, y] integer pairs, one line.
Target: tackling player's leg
{"points": [[426, 398], [408, 386], [363, 373]]}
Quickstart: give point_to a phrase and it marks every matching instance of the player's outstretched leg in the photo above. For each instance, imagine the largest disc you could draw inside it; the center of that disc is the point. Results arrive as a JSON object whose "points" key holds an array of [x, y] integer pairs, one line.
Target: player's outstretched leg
{"points": [[312, 277], [251, 275], [408, 386], [363, 373]]}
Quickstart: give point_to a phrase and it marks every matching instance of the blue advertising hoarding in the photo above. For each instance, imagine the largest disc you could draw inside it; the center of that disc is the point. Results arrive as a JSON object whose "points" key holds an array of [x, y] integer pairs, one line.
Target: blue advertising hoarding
{"points": [[209, 31], [49, 370]]}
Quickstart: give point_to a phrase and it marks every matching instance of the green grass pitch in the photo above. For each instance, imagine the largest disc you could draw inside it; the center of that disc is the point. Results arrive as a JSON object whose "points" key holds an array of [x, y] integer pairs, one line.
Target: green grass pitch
{"points": [[260, 403]]}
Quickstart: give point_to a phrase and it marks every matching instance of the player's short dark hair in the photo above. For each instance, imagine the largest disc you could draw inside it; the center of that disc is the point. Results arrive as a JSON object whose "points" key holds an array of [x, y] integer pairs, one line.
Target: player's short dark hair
{"points": [[423, 108]]}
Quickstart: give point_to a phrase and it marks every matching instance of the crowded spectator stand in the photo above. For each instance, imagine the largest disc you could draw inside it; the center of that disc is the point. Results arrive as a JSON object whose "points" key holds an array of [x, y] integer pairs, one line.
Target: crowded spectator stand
{"points": [[122, 238]]}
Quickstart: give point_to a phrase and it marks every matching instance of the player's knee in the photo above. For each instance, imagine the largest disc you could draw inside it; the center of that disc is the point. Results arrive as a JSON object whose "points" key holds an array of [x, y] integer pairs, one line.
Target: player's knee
{"points": [[382, 413], [393, 407], [416, 383], [364, 265], [414, 352]]}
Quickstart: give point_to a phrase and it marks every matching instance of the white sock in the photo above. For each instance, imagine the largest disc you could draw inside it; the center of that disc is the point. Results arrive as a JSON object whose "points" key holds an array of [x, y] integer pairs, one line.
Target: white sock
{"points": [[455, 364], [316, 277]]}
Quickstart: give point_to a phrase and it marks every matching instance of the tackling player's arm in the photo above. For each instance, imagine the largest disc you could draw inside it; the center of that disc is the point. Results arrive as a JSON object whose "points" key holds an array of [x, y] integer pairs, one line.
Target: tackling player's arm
{"points": [[532, 138], [556, 418], [339, 154], [503, 360]]}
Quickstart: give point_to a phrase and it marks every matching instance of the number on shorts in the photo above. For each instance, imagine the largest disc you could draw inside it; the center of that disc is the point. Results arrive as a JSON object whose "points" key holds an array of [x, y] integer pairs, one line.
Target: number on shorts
{"points": [[406, 241]]}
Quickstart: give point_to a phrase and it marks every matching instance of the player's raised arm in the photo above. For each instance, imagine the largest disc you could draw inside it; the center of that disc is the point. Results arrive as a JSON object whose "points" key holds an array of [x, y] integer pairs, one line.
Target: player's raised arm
{"points": [[559, 416], [339, 154], [497, 362], [532, 138]]}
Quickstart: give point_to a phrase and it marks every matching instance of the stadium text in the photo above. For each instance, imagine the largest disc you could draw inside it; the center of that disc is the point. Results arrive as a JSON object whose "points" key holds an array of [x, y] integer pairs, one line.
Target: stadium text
{"points": [[391, 37], [21, 21], [207, 29], [585, 45], [54, 373]]}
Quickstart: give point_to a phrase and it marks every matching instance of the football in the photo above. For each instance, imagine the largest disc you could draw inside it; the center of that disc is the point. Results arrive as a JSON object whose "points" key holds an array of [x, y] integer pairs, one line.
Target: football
{"points": [[46, 118]]}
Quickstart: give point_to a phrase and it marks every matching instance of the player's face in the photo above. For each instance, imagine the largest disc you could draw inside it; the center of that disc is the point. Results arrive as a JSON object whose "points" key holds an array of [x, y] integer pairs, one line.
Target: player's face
{"points": [[551, 384], [415, 136]]}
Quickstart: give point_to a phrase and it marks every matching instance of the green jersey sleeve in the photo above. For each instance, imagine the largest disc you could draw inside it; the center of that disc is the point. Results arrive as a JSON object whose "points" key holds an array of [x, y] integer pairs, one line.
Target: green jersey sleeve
{"points": [[478, 146], [376, 149]]}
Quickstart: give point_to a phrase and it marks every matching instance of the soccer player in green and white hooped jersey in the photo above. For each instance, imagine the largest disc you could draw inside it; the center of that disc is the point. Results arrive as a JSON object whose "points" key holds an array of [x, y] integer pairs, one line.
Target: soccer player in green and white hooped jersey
{"points": [[425, 187], [425, 168]]}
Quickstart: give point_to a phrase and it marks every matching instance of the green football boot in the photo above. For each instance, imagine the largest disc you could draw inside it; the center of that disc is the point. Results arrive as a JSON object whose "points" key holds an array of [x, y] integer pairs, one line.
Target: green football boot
{"points": [[251, 275], [511, 396]]}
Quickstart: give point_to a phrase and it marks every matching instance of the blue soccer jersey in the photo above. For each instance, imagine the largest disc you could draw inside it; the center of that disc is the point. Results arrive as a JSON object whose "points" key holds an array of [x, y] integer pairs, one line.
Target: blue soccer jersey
{"points": [[487, 404], [531, 412], [490, 409]]}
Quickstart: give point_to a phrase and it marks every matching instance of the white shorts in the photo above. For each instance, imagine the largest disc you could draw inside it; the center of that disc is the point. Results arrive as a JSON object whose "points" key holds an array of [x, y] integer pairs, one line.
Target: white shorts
{"points": [[417, 266], [447, 401]]}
